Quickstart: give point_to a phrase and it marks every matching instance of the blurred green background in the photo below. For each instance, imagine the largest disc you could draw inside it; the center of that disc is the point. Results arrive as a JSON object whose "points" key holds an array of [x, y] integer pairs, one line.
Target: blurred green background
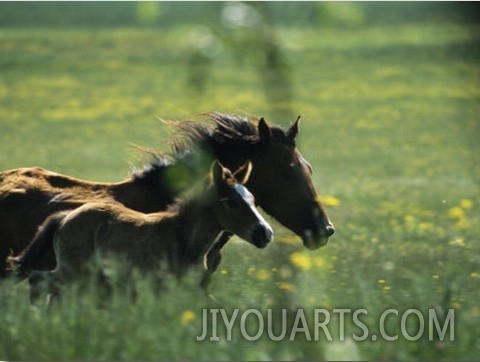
{"points": [[389, 96]]}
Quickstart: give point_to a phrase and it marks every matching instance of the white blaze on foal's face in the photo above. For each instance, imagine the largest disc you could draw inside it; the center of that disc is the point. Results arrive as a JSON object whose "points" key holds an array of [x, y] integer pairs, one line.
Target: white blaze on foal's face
{"points": [[245, 194], [260, 232]]}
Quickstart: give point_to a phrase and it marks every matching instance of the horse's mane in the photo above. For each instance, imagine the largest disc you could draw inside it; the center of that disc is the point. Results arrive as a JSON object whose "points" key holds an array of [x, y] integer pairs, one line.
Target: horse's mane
{"points": [[224, 129], [223, 132], [158, 163]]}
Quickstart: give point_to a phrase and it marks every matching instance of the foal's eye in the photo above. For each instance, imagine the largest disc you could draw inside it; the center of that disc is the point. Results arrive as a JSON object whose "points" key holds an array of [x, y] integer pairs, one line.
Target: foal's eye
{"points": [[231, 203]]}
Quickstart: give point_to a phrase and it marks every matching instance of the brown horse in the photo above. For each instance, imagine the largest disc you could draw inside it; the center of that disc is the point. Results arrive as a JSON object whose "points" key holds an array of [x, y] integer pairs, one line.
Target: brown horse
{"points": [[29, 195], [179, 236]]}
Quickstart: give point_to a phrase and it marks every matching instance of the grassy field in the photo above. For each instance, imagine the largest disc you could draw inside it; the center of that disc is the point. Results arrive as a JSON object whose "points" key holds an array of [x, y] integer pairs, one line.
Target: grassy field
{"points": [[390, 123]]}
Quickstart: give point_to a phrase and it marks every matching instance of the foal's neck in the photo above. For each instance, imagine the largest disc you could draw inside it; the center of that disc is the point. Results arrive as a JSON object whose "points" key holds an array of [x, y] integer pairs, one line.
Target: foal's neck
{"points": [[198, 227]]}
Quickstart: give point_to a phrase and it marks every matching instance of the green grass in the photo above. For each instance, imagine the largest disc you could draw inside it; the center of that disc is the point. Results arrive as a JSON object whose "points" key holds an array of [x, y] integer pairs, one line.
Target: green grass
{"points": [[390, 123]]}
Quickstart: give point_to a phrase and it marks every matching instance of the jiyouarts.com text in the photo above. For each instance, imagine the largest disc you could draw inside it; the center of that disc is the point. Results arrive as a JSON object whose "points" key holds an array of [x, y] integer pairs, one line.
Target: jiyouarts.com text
{"points": [[326, 324]]}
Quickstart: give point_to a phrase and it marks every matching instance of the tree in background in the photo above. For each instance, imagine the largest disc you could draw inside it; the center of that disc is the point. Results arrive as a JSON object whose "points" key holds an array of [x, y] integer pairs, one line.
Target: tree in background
{"points": [[247, 32]]}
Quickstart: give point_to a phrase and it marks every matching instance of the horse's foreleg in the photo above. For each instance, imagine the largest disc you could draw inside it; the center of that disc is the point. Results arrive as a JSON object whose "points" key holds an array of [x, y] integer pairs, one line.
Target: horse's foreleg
{"points": [[213, 258]]}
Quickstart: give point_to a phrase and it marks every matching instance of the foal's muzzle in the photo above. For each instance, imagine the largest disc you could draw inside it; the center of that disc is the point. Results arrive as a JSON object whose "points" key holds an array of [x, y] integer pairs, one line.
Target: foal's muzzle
{"points": [[262, 235]]}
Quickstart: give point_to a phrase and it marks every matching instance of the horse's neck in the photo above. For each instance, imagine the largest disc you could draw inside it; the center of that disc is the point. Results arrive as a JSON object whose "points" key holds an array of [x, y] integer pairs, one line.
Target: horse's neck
{"points": [[157, 187], [147, 195], [231, 156], [197, 230]]}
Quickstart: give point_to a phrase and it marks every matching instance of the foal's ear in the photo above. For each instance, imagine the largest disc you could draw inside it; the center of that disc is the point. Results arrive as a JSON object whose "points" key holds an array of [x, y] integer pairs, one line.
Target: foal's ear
{"points": [[220, 174], [243, 172], [264, 131], [293, 130], [217, 172]]}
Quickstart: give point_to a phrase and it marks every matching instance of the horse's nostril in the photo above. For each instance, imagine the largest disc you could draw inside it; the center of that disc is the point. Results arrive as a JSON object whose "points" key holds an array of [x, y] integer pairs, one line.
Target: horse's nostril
{"points": [[262, 235], [330, 230]]}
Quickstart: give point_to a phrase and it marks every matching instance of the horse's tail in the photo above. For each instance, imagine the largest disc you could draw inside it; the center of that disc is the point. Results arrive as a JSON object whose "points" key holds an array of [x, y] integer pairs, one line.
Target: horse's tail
{"points": [[41, 244]]}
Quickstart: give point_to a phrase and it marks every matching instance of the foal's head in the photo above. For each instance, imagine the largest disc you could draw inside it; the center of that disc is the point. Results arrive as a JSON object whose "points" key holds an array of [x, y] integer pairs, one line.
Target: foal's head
{"points": [[235, 207]]}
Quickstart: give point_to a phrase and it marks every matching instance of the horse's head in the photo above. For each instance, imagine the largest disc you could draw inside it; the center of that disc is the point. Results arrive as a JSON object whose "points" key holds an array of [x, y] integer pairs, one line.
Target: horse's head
{"points": [[236, 210], [281, 181]]}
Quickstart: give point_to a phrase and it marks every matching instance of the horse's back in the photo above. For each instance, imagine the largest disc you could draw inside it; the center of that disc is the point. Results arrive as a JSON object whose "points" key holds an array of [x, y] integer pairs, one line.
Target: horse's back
{"points": [[38, 177], [28, 195]]}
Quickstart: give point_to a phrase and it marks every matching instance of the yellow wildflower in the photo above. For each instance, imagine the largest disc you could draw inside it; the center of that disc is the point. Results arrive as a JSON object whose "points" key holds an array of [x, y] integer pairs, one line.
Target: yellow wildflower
{"points": [[187, 317], [457, 242], [300, 260], [329, 200], [456, 213], [263, 275], [455, 304], [381, 281], [288, 287], [466, 204], [425, 226], [462, 223], [474, 275]]}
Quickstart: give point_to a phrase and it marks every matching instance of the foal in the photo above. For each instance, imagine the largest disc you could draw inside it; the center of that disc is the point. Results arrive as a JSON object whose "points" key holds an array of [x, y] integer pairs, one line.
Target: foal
{"points": [[179, 236]]}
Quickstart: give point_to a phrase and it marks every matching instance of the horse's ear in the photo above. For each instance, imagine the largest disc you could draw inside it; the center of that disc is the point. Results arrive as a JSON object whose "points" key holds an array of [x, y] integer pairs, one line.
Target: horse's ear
{"points": [[264, 131], [293, 130], [243, 172]]}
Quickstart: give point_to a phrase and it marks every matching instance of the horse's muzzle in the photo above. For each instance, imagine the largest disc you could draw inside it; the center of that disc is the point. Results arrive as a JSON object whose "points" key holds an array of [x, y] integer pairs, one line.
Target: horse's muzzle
{"points": [[262, 235], [329, 230], [315, 238]]}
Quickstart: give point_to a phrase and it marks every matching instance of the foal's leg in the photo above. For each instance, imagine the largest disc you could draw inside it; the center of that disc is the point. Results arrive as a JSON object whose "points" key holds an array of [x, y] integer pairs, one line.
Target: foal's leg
{"points": [[213, 258], [37, 281], [42, 282], [71, 259]]}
